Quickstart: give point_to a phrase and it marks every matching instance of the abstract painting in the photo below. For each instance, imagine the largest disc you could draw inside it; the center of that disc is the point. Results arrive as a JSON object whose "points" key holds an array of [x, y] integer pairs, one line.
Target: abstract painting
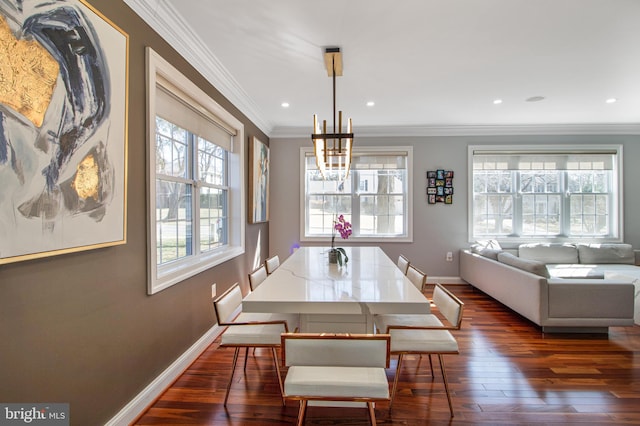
{"points": [[63, 129], [258, 181]]}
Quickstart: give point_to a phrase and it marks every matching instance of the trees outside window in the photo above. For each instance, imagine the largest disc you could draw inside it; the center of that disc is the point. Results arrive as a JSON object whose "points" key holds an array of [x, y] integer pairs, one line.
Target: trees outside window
{"points": [[375, 197], [545, 192]]}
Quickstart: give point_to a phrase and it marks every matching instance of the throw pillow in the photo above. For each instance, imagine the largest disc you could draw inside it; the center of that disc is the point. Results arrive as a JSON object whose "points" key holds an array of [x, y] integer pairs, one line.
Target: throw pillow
{"points": [[484, 251], [490, 244]]}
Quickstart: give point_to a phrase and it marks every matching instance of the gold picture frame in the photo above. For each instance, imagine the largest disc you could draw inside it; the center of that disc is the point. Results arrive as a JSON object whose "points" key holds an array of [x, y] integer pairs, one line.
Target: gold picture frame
{"points": [[258, 181], [63, 151]]}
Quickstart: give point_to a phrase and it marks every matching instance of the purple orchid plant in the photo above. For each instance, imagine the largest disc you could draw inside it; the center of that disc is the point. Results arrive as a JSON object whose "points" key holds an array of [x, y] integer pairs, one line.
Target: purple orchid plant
{"points": [[344, 228]]}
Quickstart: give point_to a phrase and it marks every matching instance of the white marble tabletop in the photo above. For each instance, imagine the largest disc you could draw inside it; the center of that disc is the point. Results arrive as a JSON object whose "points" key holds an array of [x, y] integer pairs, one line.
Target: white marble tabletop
{"points": [[306, 283]]}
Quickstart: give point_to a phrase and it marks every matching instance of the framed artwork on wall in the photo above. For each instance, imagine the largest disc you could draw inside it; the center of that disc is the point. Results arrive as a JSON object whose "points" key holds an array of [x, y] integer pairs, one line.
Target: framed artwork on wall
{"points": [[440, 186], [63, 138], [258, 181]]}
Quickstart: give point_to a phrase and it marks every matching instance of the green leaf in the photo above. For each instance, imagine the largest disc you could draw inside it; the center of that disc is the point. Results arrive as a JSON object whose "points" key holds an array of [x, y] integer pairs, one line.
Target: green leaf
{"points": [[341, 253]]}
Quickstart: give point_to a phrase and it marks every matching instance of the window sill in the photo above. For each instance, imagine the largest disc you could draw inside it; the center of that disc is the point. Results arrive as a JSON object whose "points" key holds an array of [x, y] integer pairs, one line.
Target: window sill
{"points": [[178, 271]]}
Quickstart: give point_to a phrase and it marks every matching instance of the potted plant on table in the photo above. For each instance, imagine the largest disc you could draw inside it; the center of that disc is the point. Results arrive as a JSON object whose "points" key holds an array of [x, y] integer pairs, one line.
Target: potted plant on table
{"points": [[338, 254]]}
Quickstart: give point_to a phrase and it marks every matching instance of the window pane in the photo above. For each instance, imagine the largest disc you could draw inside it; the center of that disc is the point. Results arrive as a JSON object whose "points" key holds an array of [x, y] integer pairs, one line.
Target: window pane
{"points": [[173, 221], [374, 197], [211, 163], [213, 218], [589, 215], [493, 214], [540, 215], [195, 179], [322, 211], [541, 201], [172, 149], [539, 181], [381, 215]]}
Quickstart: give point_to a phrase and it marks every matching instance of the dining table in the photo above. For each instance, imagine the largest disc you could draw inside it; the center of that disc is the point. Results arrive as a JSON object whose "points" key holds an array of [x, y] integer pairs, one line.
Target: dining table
{"points": [[336, 298]]}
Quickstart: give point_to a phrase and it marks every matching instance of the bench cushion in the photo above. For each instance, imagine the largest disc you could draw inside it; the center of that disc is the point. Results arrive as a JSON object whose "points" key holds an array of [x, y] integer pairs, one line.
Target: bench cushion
{"points": [[336, 381]]}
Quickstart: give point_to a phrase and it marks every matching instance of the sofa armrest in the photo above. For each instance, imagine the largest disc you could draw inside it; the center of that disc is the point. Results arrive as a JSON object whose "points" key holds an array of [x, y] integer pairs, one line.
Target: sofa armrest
{"points": [[580, 298], [520, 290]]}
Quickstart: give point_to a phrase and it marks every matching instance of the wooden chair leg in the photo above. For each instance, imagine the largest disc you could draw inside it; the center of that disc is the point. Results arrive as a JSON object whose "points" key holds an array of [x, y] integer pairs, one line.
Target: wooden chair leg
{"points": [[446, 385], [275, 361], [372, 413], [395, 381], [302, 412], [233, 368], [246, 356]]}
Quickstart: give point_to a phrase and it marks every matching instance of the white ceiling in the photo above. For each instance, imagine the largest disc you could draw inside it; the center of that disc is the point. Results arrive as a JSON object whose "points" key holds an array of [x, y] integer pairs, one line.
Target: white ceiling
{"points": [[427, 64]]}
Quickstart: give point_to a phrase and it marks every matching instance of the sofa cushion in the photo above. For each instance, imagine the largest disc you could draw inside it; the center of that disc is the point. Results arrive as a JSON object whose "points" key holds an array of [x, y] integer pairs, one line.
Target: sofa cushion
{"points": [[606, 253], [549, 253], [532, 266], [576, 270]]}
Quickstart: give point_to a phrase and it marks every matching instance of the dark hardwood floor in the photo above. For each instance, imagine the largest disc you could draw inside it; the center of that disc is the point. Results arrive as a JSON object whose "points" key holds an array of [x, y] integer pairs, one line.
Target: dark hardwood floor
{"points": [[508, 372]]}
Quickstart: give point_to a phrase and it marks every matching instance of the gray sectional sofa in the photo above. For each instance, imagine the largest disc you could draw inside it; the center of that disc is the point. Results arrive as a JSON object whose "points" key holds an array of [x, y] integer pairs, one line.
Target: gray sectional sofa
{"points": [[560, 287]]}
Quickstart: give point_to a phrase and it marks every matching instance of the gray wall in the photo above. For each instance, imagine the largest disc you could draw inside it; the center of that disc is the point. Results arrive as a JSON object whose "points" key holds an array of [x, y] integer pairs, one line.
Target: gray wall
{"points": [[437, 228], [80, 328]]}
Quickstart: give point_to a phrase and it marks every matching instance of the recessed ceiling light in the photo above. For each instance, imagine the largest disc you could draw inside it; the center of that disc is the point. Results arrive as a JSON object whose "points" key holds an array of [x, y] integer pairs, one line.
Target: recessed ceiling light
{"points": [[497, 101], [285, 105], [535, 99], [370, 103], [611, 100]]}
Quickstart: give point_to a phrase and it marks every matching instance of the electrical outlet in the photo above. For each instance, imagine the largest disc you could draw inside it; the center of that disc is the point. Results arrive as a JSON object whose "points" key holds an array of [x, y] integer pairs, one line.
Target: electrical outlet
{"points": [[449, 256], [213, 290]]}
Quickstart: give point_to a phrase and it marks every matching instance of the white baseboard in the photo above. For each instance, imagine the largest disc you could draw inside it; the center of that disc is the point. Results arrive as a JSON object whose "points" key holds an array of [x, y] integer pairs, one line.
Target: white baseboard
{"points": [[141, 402], [445, 280]]}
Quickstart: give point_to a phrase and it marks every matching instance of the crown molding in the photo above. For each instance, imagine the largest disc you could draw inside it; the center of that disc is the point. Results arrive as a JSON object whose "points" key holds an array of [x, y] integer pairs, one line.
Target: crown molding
{"points": [[169, 24], [475, 130]]}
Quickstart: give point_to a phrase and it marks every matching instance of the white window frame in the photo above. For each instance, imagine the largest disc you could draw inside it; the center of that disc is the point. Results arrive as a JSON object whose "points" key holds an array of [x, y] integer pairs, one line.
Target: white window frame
{"points": [[161, 277], [617, 212], [305, 151]]}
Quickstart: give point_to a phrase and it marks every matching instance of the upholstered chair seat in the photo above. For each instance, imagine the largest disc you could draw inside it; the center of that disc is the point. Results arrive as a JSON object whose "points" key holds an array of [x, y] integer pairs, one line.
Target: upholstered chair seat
{"points": [[424, 334], [336, 367], [250, 330]]}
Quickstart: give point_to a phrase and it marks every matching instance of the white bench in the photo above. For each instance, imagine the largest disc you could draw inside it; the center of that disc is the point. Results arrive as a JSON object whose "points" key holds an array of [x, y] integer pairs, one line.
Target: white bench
{"points": [[336, 367]]}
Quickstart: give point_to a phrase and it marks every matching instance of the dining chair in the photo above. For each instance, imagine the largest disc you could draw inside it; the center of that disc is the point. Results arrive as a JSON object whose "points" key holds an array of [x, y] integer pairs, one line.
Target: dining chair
{"points": [[403, 264], [336, 367], [257, 276], [424, 334], [417, 277], [250, 330], [272, 264]]}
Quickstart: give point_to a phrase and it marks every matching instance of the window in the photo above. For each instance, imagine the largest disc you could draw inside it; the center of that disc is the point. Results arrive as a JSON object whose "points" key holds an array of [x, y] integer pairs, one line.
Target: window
{"points": [[545, 192], [375, 197], [196, 206]]}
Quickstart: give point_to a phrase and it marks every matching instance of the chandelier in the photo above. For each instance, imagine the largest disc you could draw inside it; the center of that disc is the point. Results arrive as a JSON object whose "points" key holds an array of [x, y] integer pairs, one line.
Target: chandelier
{"points": [[333, 150]]}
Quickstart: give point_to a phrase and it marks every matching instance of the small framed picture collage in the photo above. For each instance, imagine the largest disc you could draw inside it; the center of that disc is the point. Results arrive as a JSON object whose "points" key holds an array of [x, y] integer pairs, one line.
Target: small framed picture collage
{"points": [[440, 186]]}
